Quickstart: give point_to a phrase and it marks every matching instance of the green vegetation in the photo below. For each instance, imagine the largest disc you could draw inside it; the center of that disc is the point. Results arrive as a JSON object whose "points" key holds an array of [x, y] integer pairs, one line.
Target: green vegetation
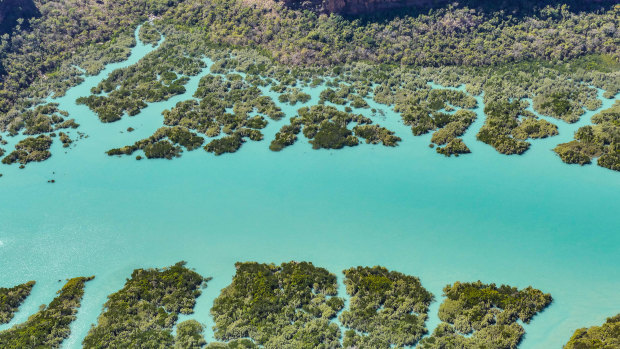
{"points": [[50, 326], [41, 58], [148, 34], [375, 134], [11, 299], [42, 119], [600, 140], [508, 125], [210, 115], [454, 147], [30, 149], [65, 139], [154, 78], [485, 312], [293, 96], [559, 105], [286, 306], [388, 309], [165, 143], [189, 335], [606, 336], [326, 127], [144, 311], [543, 54]]}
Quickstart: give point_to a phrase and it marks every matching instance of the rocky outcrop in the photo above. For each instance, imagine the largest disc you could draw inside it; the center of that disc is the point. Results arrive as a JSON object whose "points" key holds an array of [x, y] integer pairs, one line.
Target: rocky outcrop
{"points": [[12, 10]]}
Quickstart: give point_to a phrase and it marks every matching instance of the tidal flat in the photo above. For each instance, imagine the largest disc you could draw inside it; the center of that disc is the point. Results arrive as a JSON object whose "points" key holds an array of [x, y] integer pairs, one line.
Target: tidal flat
{"points": [[526, 220]]}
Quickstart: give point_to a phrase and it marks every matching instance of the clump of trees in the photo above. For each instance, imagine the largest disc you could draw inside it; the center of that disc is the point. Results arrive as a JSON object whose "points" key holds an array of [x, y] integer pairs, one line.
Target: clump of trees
{"points": [[44, 118], [144, 311], [375, 134], [51, 325], [286, 306], [387, 309], [158, 76], [606, 336], [326, 127], [293, 96], [30, 149], [165, 143], [483, 315], [148, 34], [426, 109], [11, 298], [508, 125], [600, 140]]}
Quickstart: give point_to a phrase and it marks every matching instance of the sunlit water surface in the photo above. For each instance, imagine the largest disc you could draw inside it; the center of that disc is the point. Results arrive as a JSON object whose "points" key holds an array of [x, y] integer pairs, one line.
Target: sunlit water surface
{"points": [[520, 220]]}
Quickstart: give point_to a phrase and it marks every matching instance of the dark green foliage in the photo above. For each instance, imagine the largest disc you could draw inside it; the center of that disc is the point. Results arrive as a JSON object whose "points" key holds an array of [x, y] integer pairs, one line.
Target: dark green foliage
{"points": [[487, 311], [189, 335], [65, 139], [235, 344], [148, 34], [143, 312], [50, 326], [154, 78], [333, 136], [606, 336], [454, 147], [226, 144], [293, 96], [387, 308], [11, 299], [421, 110], [509, 124], [30, 149], [209, 115], [326, 127], [161, 150], [42, 119], [599, 140], [559, 105], [375, 134], [287, 136], [286, 306], [165, 143]]}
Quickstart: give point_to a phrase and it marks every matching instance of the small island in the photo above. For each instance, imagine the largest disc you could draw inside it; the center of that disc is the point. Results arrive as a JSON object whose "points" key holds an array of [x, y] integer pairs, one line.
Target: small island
{"points": [[477, 315], [49, 327], [600, 140], [30, 149], [285, 306], [606, 336], [144, 311], [11, 299], [387, 309]]}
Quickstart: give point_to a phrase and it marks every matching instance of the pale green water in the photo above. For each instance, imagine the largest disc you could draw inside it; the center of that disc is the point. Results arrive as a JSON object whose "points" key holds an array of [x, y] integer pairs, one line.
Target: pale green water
{"points": [[521, 220]]}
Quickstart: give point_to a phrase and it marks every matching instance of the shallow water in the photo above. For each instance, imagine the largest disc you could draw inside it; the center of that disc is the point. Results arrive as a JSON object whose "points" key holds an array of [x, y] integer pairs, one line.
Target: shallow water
{"points": [[521, 220]]}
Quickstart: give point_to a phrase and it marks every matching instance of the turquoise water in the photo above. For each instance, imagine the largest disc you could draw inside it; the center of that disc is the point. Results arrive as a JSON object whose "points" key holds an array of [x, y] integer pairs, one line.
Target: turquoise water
{"points": [[521, 220]]}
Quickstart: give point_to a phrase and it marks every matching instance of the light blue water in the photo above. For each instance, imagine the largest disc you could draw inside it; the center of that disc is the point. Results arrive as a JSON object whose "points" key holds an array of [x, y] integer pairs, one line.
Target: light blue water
{"points": [[521, 220]]}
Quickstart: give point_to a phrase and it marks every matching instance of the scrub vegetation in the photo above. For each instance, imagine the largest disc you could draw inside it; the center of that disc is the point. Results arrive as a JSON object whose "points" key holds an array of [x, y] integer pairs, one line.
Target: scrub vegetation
{"points": [[51, 325], [508, 125], [11, 299], [387, 309], [327, 128], [556, 56], [144, 311], [601, 140], [477, 315], [30, 149], [606, 336], [286, 306]]}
